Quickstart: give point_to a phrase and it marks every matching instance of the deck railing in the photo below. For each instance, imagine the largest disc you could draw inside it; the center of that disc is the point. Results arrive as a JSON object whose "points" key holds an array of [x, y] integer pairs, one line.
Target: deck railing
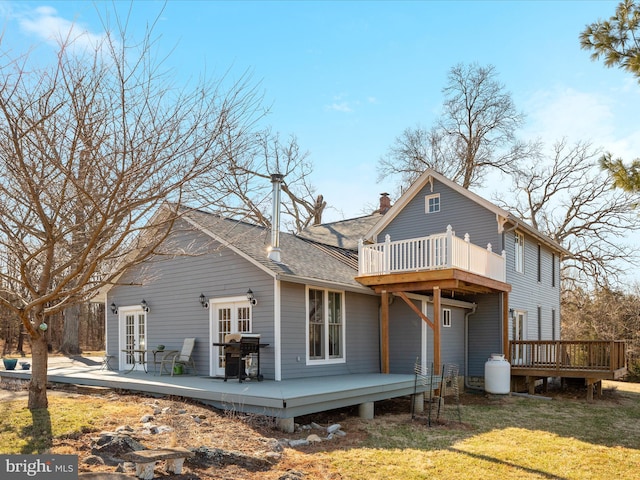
{"points": [[600, 355], [434, 252]]}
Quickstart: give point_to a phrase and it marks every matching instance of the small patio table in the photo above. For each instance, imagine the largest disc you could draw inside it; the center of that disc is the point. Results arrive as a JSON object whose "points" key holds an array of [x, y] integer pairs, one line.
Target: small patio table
{"points": [[139, 358]]}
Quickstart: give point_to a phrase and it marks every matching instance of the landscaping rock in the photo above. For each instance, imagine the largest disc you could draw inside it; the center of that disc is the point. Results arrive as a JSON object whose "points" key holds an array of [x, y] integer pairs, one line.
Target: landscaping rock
{"points": [[110, 447], [334, 428], [292, 475], [207, 457], [93, 460], [298, 443]]}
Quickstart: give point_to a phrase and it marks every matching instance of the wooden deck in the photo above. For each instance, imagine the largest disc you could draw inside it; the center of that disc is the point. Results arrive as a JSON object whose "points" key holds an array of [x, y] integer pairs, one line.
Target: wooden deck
{"points": [[593, 360], [283, 400]]}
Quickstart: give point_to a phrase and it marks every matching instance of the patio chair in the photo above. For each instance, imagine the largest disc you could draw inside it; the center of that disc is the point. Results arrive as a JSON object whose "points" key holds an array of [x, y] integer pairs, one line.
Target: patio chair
{"points": [[184, 358], [106, 362]]}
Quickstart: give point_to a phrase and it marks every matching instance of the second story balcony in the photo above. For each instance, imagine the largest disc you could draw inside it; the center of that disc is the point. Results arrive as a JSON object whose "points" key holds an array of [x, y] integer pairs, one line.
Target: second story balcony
{"points": [[432, 253]]}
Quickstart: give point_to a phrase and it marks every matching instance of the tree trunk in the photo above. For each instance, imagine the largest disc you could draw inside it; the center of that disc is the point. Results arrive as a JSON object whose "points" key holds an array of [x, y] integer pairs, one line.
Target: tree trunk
{"points": [[71, 327], [21, 335], [39, 366]]}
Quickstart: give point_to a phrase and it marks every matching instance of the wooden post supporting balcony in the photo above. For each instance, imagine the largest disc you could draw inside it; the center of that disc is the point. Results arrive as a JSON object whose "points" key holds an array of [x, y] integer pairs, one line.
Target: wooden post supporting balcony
{"points": [[436, 330]]}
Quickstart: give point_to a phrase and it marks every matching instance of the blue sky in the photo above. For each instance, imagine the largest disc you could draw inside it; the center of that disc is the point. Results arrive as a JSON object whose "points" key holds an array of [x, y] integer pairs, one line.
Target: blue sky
{"points": [[348, 77]]}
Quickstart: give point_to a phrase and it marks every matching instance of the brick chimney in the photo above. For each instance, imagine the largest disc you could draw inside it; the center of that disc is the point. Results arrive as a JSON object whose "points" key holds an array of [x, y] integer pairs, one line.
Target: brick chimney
{"points": [[385, 203]]}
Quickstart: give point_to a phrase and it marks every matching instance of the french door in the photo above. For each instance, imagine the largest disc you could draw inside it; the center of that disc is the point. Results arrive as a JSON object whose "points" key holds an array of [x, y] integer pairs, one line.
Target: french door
{"points": [[133, 337], [231, 317]]}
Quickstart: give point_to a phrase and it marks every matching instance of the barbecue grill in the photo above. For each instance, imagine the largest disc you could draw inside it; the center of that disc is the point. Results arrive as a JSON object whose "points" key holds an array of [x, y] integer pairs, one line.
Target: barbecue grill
{"points": [[236, 353]]}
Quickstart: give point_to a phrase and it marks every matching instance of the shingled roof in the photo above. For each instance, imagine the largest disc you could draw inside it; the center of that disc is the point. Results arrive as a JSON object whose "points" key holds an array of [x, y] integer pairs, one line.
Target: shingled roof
{"points": [[304, 257], [343, 234]]}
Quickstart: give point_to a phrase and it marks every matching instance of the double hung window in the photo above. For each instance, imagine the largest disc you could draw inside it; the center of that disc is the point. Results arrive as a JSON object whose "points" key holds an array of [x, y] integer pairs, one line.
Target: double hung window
{"points": [[325, 327], [519, 252]]}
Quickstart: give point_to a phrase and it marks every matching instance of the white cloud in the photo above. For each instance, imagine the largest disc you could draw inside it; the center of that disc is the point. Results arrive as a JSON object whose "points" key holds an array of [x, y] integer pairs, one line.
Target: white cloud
{"points": [[339, 107], [568, 113], [606, 119], [45, 23]]}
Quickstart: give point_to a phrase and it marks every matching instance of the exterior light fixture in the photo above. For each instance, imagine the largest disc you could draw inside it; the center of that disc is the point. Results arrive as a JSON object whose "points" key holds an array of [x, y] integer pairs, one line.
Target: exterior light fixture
{"points": [[144, 305], [114, 308], [203, 301], [251, 298]]}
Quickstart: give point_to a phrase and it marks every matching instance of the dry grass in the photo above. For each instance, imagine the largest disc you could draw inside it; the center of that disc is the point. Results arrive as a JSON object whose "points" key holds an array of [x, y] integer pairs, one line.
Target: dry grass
{"points": [[500, 438]]}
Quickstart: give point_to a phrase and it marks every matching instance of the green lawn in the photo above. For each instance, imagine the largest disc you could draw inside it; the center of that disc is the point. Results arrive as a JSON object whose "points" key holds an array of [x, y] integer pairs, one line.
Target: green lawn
{"points": [[519, 438], [26, 432], [510, 438]]}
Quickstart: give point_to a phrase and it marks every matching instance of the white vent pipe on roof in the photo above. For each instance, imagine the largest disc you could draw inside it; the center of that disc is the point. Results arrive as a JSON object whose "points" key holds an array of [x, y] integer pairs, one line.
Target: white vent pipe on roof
{"points": [[274, 253]]}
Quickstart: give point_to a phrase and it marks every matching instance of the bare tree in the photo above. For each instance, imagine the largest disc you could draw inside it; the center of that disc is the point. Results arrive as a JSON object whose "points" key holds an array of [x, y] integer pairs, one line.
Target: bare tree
{"points": [[415, 150], [96, 150], [475, 133], [570, 199], [241, 188]]}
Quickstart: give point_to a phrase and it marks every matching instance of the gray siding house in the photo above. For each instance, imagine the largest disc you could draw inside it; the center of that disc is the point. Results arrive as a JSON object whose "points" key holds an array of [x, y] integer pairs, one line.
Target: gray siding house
{"points": [[436, 232], [441, 277]]}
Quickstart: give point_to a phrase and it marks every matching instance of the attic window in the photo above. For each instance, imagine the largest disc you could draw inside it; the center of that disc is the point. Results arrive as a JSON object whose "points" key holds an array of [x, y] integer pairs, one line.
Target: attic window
{"points": [[432, 203]]}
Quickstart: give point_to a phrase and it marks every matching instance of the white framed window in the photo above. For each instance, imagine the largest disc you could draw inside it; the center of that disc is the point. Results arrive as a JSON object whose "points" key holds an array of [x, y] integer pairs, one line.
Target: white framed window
{"points": [[446, 317], [519, 252], [432, 203], [325, 326]]}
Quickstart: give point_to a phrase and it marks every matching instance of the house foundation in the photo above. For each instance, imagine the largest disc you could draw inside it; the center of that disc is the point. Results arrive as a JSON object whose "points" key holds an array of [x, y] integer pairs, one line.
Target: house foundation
{"points": [[366, 410], [287, 425], [418, 403]]}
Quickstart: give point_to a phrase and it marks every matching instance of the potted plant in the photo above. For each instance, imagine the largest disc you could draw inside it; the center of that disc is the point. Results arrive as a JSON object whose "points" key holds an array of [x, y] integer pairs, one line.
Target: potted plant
{"points": [[9, 363]]}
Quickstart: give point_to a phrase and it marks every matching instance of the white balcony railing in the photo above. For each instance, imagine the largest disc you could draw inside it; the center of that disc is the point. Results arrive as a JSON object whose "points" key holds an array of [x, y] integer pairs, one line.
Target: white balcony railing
{"points": [[435, 252]]}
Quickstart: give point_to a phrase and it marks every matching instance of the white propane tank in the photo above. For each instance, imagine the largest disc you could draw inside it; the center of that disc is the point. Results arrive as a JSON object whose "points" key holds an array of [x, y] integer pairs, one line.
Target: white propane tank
{"points": [[497, 374]]}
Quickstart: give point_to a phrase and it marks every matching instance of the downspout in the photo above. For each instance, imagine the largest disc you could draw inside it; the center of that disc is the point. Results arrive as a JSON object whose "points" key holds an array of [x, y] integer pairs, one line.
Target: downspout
{"points": [[466, 349]]}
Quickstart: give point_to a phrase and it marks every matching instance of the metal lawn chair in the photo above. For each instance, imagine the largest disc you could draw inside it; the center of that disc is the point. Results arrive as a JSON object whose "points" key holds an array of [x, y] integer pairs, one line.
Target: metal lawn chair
{"points": [[183, 359]]}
